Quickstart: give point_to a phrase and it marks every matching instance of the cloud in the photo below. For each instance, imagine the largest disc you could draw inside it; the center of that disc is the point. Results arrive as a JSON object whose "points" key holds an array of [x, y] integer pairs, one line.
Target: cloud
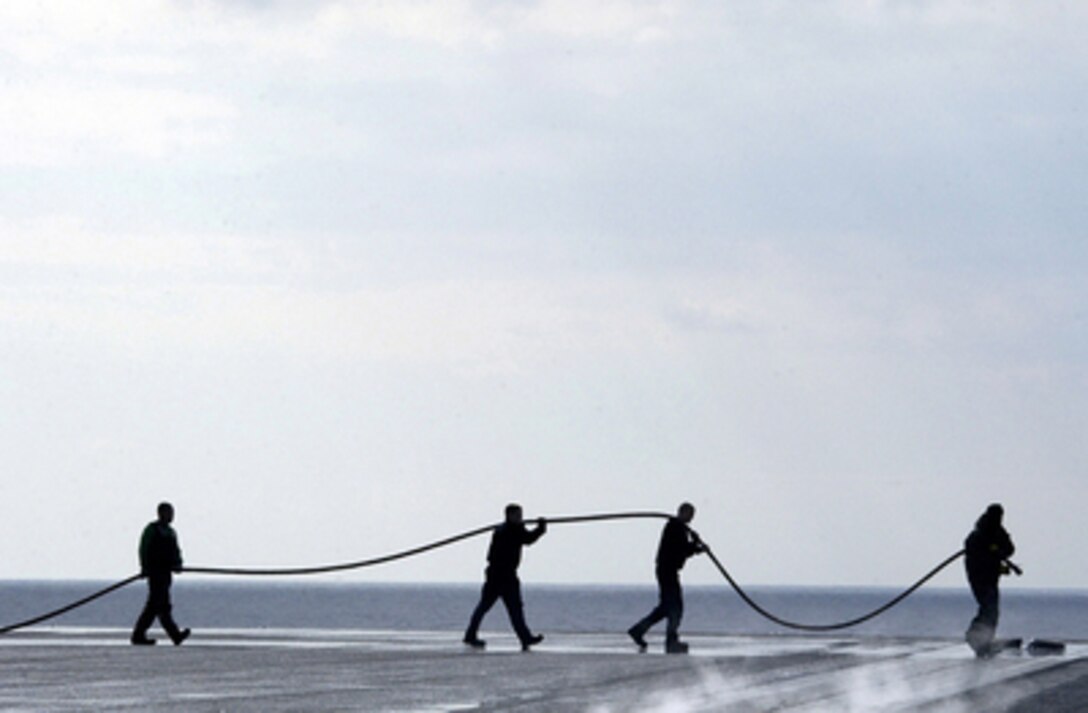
{"points": [[845, 235], [464, 326], [67, 245], [53, 32], [324, 300], [55, 124]]}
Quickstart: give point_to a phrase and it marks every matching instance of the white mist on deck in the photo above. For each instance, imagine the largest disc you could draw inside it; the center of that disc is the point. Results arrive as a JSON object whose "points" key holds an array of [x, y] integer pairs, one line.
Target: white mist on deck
{"points": [[947, 684]]}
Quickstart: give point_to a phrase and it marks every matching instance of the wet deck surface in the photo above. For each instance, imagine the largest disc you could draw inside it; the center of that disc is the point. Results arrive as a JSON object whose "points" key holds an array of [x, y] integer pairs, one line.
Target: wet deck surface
{"points": [[63, 670]]}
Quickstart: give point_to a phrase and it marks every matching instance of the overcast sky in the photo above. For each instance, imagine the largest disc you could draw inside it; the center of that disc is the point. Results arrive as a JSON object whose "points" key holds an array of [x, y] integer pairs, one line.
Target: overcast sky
{"points": [[339, 278]]}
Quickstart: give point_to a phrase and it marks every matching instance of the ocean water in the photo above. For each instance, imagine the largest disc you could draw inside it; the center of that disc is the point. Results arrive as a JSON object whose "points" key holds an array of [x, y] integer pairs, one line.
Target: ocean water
{"points": [[928, 613]]}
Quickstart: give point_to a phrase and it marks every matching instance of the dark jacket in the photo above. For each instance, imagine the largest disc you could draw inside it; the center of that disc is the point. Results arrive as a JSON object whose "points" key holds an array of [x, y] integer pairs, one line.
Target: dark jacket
{"points": [[159, 552], [677, 544], [987, 548], [504, 555]]}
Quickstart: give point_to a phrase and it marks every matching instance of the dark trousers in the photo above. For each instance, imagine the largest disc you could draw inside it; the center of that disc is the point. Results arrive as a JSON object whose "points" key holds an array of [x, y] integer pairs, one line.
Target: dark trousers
{"points": [[983, 627], [505, 586], [670, 606], [158, 605]]}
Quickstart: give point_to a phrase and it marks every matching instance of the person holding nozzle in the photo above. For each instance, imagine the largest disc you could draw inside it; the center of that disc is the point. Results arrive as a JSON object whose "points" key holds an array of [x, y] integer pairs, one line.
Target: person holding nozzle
{"points": [[501, 577], [160, 557], [987, 550], [678, 542]]}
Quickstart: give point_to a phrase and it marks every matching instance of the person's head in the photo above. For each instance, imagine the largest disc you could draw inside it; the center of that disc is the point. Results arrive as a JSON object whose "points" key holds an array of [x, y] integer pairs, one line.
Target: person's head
{"points": [[166, 513], [991, 518], [685, 513], [513, 513]]}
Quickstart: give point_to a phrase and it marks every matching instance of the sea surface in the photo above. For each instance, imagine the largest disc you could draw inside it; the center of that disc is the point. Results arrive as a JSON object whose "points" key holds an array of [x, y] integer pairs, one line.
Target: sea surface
{"points": [[928, 613]]}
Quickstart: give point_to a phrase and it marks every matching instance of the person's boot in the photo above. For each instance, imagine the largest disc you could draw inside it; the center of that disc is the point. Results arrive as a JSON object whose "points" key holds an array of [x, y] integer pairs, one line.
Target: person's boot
{"points": [[182, 636], [531, 641], [676, 646], [980, 638], [474, 641], [636, 636], [142, 640]]}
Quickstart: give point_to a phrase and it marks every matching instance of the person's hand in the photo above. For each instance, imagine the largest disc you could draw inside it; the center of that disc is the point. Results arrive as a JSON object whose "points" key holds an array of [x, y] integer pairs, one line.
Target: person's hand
{"points": [[542, 523]]}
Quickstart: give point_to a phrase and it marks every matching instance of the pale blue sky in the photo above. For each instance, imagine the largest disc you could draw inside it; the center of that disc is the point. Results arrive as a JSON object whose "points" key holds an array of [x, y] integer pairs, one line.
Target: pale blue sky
{"points": [[339, 278]]}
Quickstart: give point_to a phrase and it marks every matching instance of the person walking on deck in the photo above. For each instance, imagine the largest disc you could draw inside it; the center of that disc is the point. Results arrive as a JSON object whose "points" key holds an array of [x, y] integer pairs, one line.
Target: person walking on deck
{"points": [[501, 577], [678, 543], [160, 557], [987, 550]]}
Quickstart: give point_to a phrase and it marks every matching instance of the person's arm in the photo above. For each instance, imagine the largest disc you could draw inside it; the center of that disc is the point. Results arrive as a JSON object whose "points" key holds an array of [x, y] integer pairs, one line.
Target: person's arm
{"points": [[536, 533], [1010, 548], [145, 549], [177, 552], [695, 544], [1007, 549]]}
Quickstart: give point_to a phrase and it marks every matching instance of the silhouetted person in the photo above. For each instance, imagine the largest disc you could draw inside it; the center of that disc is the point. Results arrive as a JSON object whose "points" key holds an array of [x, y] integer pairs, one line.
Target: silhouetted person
{"points": [[987, 548], [501, 579], [678, 542], [160, 557]]}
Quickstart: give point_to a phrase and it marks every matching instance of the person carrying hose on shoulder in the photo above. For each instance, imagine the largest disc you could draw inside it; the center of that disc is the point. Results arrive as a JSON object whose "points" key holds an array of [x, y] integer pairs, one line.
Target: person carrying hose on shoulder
{"points": [[987, 550], [678, 542], [501, 578]]}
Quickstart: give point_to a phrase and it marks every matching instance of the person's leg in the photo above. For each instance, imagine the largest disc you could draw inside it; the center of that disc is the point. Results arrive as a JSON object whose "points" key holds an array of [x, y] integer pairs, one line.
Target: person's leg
{"points": [[639, 629], [659, 612], [674, 611], [147, 616], [672, 602], [980, 634], [990, 607], [515, 609], [643, 625], [488, 596], [165, 611]]}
